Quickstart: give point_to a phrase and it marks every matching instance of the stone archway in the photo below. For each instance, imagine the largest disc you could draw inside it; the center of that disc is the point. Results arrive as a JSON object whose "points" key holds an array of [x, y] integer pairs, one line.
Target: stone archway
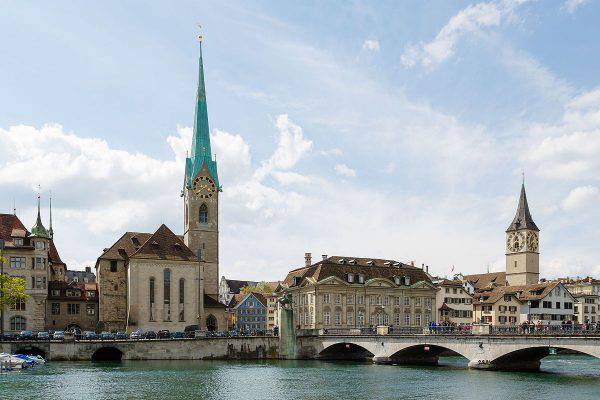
{"points": [[31, 351], [345, 351], [530, 358], [211, 323], [107, 354]]}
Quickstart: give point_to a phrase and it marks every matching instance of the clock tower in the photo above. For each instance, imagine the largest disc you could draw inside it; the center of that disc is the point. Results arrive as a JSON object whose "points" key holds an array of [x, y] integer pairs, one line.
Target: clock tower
{"points": [[522, 246], [201, 193]]}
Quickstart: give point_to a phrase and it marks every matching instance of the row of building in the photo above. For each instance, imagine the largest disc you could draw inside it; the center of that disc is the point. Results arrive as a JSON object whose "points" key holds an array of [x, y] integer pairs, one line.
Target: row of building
{"points": [[165, 280]]}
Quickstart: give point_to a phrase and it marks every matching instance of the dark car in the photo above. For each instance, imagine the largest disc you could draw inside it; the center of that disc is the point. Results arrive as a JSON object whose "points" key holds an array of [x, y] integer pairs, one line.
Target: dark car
{"points": [[149, 335], [43, 336], [89, 335], [121, 336], [9, 336], [26, 335], [190, 334], [107, 336], [164, 334], [177, 335]]}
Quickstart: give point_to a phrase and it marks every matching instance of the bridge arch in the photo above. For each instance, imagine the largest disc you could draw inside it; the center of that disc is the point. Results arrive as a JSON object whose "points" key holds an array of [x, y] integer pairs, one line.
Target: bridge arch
{"points": [[346, 351], [530, 357], [31, 351], [107, 353], [421, 354]]}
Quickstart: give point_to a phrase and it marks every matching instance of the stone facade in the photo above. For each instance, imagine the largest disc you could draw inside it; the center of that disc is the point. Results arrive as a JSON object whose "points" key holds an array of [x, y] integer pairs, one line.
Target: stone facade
{"points": [[349, 292], [72, 306], [111, 273]]}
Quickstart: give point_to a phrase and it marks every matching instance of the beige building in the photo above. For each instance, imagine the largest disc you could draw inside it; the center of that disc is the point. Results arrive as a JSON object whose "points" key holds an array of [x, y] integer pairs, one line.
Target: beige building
{"points": [[454, 303], [587, 285], [351, 292], [497, 307], [161, 280], [31, 256], [72, 306], [586, 308]]}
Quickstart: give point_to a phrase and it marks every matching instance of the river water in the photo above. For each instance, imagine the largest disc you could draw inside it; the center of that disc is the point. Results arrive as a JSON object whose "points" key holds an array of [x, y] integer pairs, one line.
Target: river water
{"points": [[570, 377]]}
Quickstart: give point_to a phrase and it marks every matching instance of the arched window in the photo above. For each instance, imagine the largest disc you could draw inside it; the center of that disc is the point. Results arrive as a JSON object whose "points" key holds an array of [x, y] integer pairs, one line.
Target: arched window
{"points": [[203, 214], [167, 294], [18, 323], [152, 286], [181, 299]]}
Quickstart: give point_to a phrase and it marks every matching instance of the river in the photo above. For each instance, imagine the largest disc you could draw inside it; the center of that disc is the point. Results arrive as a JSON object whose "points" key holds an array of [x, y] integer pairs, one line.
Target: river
{"points": [[571, 377]]}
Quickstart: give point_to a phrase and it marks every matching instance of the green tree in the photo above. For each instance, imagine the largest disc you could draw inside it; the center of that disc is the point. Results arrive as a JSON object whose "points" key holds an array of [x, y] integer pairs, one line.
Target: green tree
{"points": [[12, 289], [260, 287]]}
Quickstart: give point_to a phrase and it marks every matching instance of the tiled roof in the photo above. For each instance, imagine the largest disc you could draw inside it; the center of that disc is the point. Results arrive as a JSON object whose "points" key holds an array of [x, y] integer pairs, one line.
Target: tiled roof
{"points": [[127, 244], [372, 268], [63, 286], [164, 245], [448, 282], [8, 223], [235, 300], [211, 302], [523, 293], [489, 280], [53, 254]]}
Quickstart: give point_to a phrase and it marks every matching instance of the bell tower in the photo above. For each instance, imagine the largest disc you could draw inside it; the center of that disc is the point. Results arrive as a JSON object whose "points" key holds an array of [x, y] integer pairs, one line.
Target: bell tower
{"points": [[201, 193], [522, 246]]}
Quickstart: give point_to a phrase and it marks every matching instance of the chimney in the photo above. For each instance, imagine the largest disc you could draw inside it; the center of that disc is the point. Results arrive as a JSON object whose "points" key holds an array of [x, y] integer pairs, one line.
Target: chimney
{"points": [[324, 257], [307, 259], [88, 269], [427, 268], [423, 267], [412, 263]]}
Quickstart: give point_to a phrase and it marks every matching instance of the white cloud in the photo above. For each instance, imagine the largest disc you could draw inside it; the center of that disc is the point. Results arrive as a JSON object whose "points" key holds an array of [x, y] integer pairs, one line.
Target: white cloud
{"points": [[371, 45], [331, 152], [472, 20], [344, 170], [572, 5], [581, 197]]}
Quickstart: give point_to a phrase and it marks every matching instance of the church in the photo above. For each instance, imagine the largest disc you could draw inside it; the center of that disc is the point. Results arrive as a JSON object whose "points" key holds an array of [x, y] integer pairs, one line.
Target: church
{"points": [[162, 280]]}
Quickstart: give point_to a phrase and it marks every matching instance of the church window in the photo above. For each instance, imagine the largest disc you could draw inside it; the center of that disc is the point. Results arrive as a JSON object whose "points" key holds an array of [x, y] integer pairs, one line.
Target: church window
{"points": [[203, 214], [181, 299], [113, 265], [167, 294], [18, 323]]}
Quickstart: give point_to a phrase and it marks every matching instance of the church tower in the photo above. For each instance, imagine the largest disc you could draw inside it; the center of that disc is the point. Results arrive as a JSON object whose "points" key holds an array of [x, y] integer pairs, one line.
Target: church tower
{"points": [[522, 246], [201, 193]]}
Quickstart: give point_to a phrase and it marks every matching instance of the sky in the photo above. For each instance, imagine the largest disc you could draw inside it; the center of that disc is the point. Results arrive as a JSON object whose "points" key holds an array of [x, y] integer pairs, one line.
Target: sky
{"points": [[396, 130]]}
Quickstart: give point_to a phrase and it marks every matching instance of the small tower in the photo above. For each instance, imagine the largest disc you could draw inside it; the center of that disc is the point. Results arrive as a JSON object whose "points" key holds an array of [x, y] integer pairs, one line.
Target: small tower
{"points": [[50, 230], [38, 229], [522, 246], [201, 193]]}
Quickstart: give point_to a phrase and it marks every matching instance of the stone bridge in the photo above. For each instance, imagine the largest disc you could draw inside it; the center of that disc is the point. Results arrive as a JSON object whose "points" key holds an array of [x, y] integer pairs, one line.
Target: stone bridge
{"points": [[260, 347], [483, 351]]}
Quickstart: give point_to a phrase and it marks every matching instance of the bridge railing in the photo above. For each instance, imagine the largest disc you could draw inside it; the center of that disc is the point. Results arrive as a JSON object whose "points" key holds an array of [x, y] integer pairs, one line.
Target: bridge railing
{"points": [[548, 330]]}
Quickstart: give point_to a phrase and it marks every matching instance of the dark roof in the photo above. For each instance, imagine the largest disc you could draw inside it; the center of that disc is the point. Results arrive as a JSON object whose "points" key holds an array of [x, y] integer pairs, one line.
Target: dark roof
{"points": [[235, 300], [486, 281], [448, 282], [70, 275], [8, 223], [127, 244], [63, 286], [523, 219], [164, 245], [211, 302], [371, 268], [537, 291], [235, 286]]}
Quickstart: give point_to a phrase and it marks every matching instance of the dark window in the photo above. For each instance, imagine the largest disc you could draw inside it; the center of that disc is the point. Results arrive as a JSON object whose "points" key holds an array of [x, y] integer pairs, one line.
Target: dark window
{"points": [[181, 299], [151, 299], [167, 286], [113, 265], [18, 323], [73, 309], [203, 214], [55, 308]]}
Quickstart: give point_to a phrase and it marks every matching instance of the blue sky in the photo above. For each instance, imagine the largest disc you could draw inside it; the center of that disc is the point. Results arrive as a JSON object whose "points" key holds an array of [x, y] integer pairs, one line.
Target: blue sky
{"points": [[377, 129]]}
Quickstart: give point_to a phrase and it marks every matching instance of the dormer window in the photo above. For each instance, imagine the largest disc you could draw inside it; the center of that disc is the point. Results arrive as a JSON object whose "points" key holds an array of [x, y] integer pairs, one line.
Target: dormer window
{"points": [[342, 261], [407, 280], [397, 280], [352, 262], [396, 264], [370, 262], [351, 278], [361, 278], [17, 242], [387, 263], [40, 245], [297, 280]]}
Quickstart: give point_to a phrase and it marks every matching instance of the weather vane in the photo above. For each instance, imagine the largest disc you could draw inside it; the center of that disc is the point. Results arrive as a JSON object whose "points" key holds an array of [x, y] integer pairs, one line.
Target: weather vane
{"points": [[200, 35]]}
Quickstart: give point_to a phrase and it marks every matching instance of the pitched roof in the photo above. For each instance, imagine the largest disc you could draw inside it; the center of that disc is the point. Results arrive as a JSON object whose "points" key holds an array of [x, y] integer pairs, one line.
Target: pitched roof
{"points": [[211, 302], [9, 223], [448, 282], [371, 267], [235, 300], [125, 246], [483, 281], [63, 286], [53, 254], [523, 219], [164, 245], [259, 296], [537, 291]]}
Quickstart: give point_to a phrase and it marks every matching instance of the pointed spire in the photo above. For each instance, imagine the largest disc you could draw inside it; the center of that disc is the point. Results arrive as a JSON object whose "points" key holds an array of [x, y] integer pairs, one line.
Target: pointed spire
{"points": [[523, 219], [39, 229], [200, 152], [50, 230]]}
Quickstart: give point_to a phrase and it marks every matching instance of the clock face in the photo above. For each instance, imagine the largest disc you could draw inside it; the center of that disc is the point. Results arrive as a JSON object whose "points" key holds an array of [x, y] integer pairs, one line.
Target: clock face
{"points": [[515, 242], [204, 187], [532, 241]]}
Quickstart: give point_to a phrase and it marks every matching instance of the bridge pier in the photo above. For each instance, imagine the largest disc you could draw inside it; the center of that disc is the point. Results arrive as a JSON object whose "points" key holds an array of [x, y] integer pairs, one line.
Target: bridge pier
{"points": [[521, 365], [408, 360]]}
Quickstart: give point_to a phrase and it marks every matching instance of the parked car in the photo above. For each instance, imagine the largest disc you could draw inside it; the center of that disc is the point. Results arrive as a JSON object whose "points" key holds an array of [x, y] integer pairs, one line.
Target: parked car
{"points": [[164, 334], [9, 336], [89, 335], [136, 335], [58, 335], [190, 334], [107, 336], [209, 334], [149, 335], [121, 336], [177, 335], [43, 336], [220, 334], [26, 335]]}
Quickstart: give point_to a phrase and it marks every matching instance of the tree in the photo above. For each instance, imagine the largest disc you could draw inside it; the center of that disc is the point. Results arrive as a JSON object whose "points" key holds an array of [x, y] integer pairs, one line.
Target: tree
{"points": [[260, 287], [12, 289]]}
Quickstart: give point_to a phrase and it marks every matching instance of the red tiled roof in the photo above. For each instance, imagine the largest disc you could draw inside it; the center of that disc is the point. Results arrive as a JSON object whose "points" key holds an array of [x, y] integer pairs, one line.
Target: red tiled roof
{"points": [[9, 222], [63, 286], [53, 254]]}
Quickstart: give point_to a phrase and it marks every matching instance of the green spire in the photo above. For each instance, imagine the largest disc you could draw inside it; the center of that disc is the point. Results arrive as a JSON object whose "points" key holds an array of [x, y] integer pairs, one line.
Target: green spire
{"points": [[38, 229], [201, 152]]}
